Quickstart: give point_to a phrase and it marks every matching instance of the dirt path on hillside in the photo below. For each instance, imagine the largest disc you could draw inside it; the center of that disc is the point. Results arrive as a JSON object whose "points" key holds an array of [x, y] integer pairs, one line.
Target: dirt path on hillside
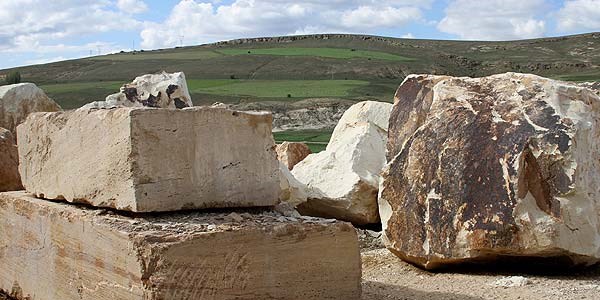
{"points": [[387, 277]]}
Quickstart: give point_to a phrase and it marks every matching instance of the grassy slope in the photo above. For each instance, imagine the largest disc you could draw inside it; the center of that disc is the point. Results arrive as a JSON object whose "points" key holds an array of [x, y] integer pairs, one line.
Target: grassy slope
{"points": [[340, 66]]}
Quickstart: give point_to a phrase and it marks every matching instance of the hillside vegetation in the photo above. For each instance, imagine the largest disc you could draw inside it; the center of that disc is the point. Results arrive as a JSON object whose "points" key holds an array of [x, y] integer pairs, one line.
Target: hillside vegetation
{"points": [[293, 68]]}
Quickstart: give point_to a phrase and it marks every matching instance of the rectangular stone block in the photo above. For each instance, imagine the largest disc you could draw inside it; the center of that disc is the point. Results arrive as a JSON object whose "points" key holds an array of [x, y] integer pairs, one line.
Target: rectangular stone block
{"points": [[143, 159], [54, 250]]}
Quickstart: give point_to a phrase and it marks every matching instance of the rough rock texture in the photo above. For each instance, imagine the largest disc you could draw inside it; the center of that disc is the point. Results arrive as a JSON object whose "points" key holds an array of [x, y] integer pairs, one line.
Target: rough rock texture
{"points": [[55, 250], [292, 190], [594, 86], [343, 180], [145, 159], [308, 114], [10, 180], [483, 168], [164, 90], [17, 101], [291, 153]]}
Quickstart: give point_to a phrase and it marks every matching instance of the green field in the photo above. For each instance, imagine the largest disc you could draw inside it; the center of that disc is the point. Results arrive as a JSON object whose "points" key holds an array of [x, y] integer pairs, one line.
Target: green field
{"points": [[318, 52], [160, 55], [315, 139], [276, 88]]}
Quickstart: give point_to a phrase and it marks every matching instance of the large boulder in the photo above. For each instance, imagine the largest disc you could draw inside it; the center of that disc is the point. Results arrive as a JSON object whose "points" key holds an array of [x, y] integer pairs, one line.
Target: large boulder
{"points": [[9, 162], [493, 167], [342, 181], [163, 90], [291, 153], [17, 101]]}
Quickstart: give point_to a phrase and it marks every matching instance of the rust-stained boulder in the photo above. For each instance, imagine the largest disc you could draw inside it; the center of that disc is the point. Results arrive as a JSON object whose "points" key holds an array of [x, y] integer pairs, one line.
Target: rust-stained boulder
{"points": [[161, 90], [291, 153], [343, 180], [483, 168], [10, 180], [17, 101]]}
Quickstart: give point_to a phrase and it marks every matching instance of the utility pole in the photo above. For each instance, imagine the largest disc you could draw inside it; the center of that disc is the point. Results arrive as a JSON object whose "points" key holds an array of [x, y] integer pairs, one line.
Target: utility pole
{"points": [[99, 49], [133, 45], [181, 41]]}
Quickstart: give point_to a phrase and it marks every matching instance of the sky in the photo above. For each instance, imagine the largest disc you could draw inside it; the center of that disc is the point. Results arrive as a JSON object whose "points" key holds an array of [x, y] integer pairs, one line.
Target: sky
{"points": [[41, 31]]}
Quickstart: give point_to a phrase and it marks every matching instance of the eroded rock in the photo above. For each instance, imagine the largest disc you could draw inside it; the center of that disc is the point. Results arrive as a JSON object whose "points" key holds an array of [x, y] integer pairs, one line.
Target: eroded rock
{"points": [[17, 101], [142, 159], [342, 181], [10, 180], [291, 153], [59, 251], [482, 168], [161, 90]]}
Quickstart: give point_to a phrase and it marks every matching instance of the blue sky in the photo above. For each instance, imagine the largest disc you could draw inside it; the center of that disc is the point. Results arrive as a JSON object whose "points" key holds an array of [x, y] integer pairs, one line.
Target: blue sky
{"points": [[39, 31]]}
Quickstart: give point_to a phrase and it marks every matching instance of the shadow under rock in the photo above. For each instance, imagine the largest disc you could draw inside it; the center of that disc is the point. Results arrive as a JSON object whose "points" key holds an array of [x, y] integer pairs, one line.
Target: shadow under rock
{"points": [[372, 290]]}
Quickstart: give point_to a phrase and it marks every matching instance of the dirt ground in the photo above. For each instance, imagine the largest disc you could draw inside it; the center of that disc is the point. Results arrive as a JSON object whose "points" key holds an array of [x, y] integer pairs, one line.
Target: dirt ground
{"points": [[387, 277]]}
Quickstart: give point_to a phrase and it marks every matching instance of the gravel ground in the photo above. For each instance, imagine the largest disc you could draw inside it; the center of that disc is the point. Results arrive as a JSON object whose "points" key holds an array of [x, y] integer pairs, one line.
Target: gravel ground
{"points": [[387, 277]]}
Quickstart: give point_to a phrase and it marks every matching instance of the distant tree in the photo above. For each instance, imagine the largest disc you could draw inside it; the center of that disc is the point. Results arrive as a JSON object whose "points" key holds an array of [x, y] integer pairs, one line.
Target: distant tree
{"points": [[13, 77], [289, 95], [231, 76]]}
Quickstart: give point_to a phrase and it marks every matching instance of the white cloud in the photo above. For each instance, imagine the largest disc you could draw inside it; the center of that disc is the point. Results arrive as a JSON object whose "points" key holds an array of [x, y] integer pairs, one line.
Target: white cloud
{"points": [[494, 19], [31, 25], [132, 6], [408, 36], [578, 15], [203, 21]]}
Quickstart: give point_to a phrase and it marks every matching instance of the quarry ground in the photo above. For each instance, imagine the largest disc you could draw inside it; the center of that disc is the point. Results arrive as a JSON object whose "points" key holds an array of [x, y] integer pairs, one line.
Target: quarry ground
{"points": [[387, 277]]}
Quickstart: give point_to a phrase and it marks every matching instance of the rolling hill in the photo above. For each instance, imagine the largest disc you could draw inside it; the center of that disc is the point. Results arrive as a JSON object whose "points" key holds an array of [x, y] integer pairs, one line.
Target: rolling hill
{"points": [[334, 66]]}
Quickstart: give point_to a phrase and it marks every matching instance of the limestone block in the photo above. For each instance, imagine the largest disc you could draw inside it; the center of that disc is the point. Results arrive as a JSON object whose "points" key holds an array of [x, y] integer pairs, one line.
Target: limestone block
{"points": [[144, 159], [54, 250], [343, 180]]}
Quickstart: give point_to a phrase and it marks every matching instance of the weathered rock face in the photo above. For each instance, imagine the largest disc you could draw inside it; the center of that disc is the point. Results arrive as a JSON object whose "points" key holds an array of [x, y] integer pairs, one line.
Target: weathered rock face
{"points": [[163, 90], [144, 159], [292, 190], [17, 101], [53, 250], [342, 181], [10, 180], [290, 153], [483, 168]]}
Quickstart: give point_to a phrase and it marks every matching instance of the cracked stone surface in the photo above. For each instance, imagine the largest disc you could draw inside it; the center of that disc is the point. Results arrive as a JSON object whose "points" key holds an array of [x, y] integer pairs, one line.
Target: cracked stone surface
{"points": [[145, 159], [55, 250], [484, 168]]}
